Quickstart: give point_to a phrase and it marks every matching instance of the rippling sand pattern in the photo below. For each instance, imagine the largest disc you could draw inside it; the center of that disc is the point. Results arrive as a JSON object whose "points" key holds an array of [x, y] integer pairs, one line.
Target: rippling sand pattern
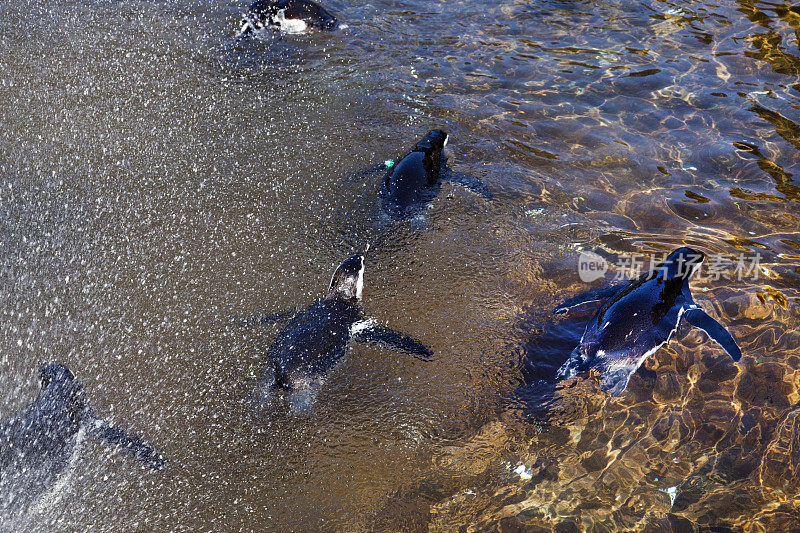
{"points": [[159, 179]]}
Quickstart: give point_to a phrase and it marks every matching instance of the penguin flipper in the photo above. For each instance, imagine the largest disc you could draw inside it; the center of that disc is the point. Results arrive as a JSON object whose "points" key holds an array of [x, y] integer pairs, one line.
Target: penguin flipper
{"points": [[302, 399], [366, 172], [616, 381], [247, 28], [470, 183], [572, 366], [265, 392], [268, 318], [587, 297], [614, 377], [392, 339], [716, 331], [102, 430]]}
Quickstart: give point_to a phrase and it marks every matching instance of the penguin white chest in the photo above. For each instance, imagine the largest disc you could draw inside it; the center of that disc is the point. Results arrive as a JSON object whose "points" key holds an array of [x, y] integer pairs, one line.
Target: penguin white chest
{"points": [[289, 25]]}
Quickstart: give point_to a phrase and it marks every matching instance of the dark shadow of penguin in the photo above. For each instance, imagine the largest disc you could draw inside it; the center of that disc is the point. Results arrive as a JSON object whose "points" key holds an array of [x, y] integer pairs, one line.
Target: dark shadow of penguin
{"points": [[288, 16], [315, 339], [637, 318], [37, 444], [540, 357]]}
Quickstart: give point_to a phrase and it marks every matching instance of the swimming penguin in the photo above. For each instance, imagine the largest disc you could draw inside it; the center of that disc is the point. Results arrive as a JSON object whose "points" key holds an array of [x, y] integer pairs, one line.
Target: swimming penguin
{"points": [[415, 179], [290, 16], [315, 339], [36, 444], [637, 319]]}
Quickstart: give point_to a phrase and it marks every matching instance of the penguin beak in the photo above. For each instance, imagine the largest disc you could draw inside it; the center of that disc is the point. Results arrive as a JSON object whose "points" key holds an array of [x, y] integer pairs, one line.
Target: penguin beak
{"points": [[364, 250]]}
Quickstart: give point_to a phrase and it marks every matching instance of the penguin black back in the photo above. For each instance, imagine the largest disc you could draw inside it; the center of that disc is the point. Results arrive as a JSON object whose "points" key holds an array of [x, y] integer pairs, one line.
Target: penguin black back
{"points": [[638, 318], [415, 178]]}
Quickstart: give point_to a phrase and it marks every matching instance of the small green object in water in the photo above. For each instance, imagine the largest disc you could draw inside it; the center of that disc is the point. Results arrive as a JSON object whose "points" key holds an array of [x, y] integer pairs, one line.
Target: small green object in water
{"points": [[388, 163]]}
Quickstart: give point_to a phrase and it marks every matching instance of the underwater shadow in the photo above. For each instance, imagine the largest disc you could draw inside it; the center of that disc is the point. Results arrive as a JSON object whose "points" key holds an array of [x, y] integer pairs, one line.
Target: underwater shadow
{"points": [[549, 346]]}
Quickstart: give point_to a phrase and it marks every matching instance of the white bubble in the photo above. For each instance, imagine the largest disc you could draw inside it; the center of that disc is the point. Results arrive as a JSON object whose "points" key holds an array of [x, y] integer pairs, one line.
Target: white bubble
{"points": [[523, 472]]}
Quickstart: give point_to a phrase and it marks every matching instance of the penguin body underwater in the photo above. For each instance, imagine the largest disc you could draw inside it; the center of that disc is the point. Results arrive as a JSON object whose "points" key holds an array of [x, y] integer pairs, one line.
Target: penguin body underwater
{"points": [[412, 183], [637, 319], [289, 16], [314, 340], [37, 444]]}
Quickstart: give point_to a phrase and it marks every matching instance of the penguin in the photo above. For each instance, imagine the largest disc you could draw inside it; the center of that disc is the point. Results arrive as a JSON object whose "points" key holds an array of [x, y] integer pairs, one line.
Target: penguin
{"points": [[637, 319], [289, 16], [411, 184], [36, 444], [315, 339]]}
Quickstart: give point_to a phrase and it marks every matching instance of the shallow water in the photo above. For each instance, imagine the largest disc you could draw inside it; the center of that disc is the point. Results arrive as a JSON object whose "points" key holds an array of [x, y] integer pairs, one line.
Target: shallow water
{"points": [[159, 179]]}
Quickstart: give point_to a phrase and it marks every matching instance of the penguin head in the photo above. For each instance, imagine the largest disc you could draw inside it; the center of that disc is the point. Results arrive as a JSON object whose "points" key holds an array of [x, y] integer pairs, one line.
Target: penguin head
{"points": [[61, 390], [432, 145], [348, 280], [434, 139], [682, 263], [55, 374]]}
